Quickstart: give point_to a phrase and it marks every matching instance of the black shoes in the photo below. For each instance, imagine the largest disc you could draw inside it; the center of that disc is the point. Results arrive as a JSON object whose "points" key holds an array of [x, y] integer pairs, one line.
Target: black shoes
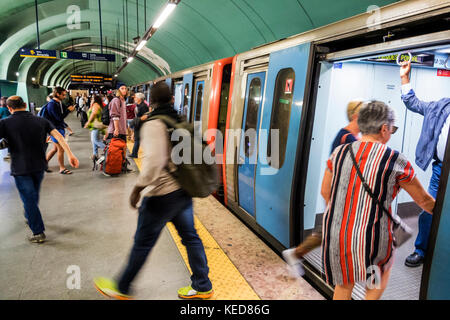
{"points": [[414, 260], [38, 238]]}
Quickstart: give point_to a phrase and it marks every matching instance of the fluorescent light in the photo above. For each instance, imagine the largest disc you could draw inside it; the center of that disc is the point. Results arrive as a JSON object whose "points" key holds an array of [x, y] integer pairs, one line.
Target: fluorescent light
{"points": [[141, 45], [167, 11], [130, 59], [17, 74], [33, 79], [115, 75]]}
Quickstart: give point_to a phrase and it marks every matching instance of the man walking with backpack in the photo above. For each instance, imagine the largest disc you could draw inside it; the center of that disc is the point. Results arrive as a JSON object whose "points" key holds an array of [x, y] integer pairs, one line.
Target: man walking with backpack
{"points": [[164, 202]]}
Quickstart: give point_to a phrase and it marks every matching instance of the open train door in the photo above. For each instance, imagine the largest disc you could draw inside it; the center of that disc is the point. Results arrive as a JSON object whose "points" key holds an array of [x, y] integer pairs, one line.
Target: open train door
{"points": [[187, 95]]}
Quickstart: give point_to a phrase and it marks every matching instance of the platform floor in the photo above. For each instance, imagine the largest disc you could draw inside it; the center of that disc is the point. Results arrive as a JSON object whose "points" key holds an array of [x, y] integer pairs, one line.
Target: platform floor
{"points": [[90, 226]]}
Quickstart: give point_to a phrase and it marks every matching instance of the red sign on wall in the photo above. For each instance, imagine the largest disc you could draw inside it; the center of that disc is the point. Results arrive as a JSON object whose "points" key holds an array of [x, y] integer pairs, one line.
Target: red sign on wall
{"points": [[288, 87], [443, 73]]}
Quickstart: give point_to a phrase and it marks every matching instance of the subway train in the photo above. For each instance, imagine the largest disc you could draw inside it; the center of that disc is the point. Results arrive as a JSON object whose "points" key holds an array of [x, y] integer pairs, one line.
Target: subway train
{"points": [[301, 86]]}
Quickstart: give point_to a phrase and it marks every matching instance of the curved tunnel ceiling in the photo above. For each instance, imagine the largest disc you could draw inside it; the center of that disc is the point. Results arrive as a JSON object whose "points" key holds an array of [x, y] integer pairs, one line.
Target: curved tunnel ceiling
{"points": [[197, 32]]}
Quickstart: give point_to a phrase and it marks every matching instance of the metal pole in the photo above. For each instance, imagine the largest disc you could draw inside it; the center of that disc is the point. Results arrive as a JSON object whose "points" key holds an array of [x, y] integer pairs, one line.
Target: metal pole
{"points": [[37, 24], [126, 4], [137, 16], [123, 16], [145, 14], [100, 16]]}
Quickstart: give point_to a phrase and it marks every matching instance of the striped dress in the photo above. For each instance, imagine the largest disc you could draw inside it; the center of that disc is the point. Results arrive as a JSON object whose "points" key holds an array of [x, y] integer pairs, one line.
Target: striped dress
{"points": [[356, 233]]}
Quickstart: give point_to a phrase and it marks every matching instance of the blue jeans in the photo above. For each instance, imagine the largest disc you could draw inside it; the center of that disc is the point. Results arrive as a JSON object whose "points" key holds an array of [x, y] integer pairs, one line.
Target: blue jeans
{"points": [[154, 213], [425, 218], [29, 187], [136, 146], [96, 142]]}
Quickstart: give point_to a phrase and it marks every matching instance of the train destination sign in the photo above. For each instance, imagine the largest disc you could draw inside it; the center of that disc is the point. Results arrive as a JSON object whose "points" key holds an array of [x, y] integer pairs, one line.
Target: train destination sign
{"points": [[417, 59], [87, 56], [90, 79], [38, 53]]}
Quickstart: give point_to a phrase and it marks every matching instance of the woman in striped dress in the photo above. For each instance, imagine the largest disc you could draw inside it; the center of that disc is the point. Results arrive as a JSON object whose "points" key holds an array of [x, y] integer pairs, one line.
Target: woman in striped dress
{"points": [[357, 235]]}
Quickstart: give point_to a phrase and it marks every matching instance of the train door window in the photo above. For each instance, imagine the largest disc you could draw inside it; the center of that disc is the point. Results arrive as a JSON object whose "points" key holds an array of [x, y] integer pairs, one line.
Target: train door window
{"points": [[186, 100], [224, 93], [199, 101], [254, 99], [281, 113]]}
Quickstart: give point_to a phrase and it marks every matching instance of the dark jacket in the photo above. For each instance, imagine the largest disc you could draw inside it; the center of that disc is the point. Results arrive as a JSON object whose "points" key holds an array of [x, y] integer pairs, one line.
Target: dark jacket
{"points": [[57, 113]]}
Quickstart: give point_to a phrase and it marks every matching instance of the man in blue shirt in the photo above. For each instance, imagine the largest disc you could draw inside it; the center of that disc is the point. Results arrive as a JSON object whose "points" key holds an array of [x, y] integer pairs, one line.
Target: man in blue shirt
{"points": [[431, 146], [56, 114], [4, 113]]}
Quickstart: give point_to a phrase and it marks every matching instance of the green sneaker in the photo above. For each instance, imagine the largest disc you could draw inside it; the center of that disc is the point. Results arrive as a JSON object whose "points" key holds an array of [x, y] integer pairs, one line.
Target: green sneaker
{"points": [[108, 288], [189, 293]]}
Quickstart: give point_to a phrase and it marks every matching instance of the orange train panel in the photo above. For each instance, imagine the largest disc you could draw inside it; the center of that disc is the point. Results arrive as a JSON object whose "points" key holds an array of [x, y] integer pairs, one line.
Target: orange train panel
{"points": [[233, 67], [214, 100]]}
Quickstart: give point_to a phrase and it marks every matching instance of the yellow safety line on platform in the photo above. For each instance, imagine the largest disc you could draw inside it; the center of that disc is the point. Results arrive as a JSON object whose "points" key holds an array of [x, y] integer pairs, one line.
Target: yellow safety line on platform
{"points": [[228, 282]]}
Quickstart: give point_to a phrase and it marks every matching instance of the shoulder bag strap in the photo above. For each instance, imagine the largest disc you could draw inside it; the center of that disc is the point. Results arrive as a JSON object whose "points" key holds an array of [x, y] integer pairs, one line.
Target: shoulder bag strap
{"points": [[367, 188]]}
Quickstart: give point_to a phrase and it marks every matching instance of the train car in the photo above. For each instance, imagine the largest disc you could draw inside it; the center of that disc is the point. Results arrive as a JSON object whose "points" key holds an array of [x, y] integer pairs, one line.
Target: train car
{"points": [[300, 86], [201, 94]]}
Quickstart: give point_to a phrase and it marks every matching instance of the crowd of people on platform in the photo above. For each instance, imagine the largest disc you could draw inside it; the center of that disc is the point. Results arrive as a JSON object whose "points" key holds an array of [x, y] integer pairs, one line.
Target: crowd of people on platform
{"points": [[361, 180]]}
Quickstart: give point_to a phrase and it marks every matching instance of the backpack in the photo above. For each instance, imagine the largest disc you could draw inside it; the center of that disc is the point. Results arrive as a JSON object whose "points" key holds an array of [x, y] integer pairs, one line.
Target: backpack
{"points": [[115, 157], [198, 180], [43, 113], [105, 115]]}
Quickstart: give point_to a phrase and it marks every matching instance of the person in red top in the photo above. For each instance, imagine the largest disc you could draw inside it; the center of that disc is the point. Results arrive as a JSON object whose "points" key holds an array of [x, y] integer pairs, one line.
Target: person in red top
{"points": [[131, 114]]}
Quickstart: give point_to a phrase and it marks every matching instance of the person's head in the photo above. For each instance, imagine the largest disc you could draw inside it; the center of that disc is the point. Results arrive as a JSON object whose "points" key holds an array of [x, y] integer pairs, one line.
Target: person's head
{"points": [[3, 102], [353, 109], [377, 119], [139, 97], [122, 91], [15, 103], [131, 100], [59, 93], [160, 93], [96, 98]]}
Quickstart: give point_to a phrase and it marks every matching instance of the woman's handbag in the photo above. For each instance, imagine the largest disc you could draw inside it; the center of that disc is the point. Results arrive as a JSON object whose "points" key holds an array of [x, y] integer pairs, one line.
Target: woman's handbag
{"points": [[402, 232], [98, 125]]}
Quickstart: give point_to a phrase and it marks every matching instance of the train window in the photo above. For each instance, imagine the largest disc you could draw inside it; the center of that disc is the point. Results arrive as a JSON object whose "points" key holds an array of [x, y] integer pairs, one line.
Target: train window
{"points": [[198, 108], [185, 100], [254, 99], [281, 113], [224, 93]]}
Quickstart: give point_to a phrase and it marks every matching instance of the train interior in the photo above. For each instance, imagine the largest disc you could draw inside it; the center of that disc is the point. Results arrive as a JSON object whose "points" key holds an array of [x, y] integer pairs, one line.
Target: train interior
{"points": [[367, 78]]}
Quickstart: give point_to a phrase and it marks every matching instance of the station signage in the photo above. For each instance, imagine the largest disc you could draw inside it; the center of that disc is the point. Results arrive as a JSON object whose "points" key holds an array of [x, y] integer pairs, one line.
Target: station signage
{"points": [[417, 59], [87, 56], [37, 53], [90, 79]]}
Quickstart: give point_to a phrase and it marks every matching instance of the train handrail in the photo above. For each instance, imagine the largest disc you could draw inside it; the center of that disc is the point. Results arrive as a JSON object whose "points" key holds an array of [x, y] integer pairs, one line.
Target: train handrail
{"points": [[399, 56]]}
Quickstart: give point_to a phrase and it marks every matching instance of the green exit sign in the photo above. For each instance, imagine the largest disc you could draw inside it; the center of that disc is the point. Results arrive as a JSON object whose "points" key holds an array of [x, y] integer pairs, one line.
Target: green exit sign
{"points": [[63, 54]]}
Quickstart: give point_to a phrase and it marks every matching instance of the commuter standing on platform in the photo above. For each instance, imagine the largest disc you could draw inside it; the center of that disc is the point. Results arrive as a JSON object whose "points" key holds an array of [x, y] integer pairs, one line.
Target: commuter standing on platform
{"points": [[56, 114], [357, 233], [164, 202], [118, 115], [348, 134], [26, 135], [431, 147], [142, 108]]}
